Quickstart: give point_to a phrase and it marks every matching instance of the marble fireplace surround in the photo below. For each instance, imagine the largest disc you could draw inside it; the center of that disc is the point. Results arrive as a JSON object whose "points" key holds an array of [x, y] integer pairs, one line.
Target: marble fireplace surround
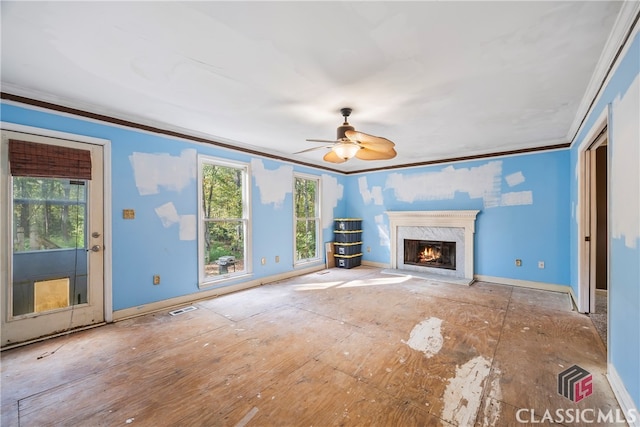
{"points": [[458, 225]]}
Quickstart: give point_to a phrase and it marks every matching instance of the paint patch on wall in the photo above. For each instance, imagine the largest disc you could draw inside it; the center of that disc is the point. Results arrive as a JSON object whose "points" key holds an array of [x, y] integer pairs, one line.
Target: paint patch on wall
{"points": [[188, 227], [514, 179], [463, 394], [516, 198], [273, 185], [625, 165], [374, 195], [426, 337], [167, 214], [383, 231], [153, 171], [482, 182], [332, 192]]}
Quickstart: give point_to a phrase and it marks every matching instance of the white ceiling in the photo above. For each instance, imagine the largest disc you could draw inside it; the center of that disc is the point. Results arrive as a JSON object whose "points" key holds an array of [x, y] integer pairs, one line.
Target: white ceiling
{"points": [[440, 79]]}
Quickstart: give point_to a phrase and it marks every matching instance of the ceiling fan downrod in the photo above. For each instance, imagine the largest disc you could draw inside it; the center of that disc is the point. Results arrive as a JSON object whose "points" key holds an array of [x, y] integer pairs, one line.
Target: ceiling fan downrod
{"points": [[346, 112]]}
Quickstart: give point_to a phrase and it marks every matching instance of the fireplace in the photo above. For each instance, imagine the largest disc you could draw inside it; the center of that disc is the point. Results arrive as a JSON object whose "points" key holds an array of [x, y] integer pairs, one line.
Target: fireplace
{"points": [[448, 232], [428, 253]]}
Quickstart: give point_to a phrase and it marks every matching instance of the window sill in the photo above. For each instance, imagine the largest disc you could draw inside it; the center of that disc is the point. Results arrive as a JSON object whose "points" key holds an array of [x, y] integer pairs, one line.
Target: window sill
{"points": [[308, 263], [223, 280]]}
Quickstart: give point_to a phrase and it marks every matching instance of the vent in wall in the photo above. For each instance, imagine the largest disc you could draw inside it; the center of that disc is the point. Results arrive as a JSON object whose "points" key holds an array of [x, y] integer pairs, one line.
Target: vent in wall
{"points": [[182, 310]]}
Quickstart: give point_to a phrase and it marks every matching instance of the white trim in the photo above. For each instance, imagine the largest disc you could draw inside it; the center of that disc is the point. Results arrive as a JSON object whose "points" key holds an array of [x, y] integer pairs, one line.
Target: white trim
{"points": [[581, 212], [565, 289], [107, 207], [622, 396], [621, 27], [320, 255], [375, 264], [205, 282], [462, 219], [207, 294]]}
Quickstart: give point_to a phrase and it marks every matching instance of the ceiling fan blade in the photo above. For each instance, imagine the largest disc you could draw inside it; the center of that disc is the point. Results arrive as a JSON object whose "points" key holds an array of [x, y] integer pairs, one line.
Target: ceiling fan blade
{"points": [[369, 154], [332, 157], [322, 140], [369, 141], [312, 149]]}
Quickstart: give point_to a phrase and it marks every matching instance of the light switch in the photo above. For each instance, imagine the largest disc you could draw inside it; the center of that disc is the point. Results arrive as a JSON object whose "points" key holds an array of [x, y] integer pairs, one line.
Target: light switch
{"points": [[128, 213]]}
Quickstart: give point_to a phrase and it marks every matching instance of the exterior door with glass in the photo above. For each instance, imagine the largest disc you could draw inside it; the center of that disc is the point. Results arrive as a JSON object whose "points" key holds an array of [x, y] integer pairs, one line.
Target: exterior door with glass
{"points": [[51, 234]]}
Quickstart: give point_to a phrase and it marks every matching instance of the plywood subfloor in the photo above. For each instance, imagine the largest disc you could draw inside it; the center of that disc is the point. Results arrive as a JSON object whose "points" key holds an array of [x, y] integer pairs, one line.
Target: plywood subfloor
{"points": [[347, 347]]}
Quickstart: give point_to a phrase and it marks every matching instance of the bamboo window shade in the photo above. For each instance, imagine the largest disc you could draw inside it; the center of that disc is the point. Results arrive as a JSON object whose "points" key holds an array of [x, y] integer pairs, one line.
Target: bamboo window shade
{"points": [[48, 161]]}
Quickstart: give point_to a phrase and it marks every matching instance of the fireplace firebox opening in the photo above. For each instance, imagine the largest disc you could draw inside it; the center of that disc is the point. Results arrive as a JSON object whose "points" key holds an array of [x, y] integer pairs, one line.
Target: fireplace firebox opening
{"points": [[428, 253]]}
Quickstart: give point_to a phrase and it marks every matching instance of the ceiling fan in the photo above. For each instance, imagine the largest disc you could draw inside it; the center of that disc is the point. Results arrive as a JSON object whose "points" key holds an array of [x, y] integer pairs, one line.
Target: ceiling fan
{"points": [[350, 143]]}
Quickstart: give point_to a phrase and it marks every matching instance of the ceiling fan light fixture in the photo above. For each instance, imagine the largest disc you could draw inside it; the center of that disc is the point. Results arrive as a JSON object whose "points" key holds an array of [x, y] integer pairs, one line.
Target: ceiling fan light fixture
{"points": [[346, 150]]}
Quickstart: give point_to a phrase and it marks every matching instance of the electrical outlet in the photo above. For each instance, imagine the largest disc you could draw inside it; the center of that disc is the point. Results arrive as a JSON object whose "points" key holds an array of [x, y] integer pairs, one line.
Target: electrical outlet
{"points": [[277, 258], [156, 279], [263, 261], [540, 264], [368, 248], [518, 263]]}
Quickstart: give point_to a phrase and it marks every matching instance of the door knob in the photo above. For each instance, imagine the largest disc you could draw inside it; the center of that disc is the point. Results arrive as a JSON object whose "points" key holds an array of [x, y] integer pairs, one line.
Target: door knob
{"points": [[95, 248]]}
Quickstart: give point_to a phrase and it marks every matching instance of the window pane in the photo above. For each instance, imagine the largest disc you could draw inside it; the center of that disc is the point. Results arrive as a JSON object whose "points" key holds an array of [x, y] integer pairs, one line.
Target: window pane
{"points": [[224, 247], [48, 213], [221, 192], [49, 256], [305, 198], [305, 239]]}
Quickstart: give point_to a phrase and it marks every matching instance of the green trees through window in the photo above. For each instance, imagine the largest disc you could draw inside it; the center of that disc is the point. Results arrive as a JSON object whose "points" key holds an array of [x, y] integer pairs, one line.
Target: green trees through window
{"points": [[224, 218], [307, 218], [48, 213]]}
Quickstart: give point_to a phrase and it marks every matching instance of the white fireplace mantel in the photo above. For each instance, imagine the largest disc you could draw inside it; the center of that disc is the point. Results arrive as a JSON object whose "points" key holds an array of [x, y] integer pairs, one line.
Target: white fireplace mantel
{"points": [[459, 218]]}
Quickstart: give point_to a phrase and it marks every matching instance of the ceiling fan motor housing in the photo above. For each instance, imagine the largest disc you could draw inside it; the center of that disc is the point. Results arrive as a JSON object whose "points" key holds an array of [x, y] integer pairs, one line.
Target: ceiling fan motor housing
{"points": [[342, 129]]}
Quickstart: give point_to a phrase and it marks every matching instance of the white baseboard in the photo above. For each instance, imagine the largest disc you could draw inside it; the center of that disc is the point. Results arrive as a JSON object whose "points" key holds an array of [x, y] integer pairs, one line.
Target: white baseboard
{"points": [[565, 289], [375, 264], [623, 397], [207, 294]]}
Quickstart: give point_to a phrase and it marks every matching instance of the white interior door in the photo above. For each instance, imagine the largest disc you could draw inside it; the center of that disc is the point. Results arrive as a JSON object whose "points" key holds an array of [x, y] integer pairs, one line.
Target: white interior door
{"points": [[51, 234]]}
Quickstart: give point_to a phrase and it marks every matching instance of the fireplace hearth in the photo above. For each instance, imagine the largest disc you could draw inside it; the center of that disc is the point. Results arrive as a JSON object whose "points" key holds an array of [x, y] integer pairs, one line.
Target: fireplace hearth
{"points": [[428, 253]]}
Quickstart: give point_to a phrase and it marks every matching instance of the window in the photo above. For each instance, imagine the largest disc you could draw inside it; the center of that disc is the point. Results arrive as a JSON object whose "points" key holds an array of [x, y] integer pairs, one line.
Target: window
{"points": [[306, 218], [224, 226]]}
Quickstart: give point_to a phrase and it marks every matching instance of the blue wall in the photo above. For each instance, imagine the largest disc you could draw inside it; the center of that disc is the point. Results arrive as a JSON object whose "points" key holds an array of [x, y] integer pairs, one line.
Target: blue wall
{"points": [[624, 249], [523, 204], [144, 246]]}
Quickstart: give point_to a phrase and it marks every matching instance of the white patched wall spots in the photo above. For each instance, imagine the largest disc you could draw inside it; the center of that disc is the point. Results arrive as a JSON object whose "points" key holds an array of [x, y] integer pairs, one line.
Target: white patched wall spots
{"points": [[426, 337], [332, 192], [481, 182], [383, 231], [169, 216], [514, 179], [273, 185], [153, 171], [625, 165], [370, 195], [463, 394]]}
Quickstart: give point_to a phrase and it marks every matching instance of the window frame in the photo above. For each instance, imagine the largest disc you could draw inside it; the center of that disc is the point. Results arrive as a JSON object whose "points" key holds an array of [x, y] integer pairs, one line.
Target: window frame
{"points": [[317, 218], [209, 281]]}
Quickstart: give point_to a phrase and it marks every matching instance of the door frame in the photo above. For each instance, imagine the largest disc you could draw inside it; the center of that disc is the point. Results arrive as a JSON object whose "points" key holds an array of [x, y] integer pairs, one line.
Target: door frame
{"points": [[107, 217], [585, 173]]}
